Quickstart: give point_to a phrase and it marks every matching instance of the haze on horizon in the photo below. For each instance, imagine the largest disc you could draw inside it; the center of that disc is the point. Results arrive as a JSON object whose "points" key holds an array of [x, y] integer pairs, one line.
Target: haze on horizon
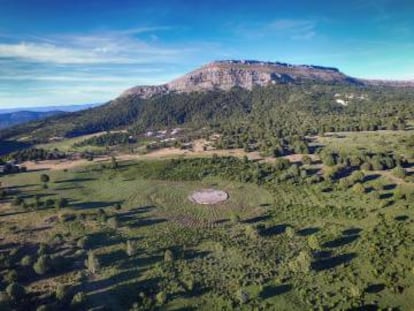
{"points": [[75, 52]]}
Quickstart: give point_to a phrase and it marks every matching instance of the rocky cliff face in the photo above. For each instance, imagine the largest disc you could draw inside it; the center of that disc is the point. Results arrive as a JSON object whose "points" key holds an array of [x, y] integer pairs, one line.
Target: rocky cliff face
{"points": [[224, 75]]}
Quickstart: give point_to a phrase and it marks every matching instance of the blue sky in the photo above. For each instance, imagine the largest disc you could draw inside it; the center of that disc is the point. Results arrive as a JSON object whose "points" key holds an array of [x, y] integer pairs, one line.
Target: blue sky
{"points": [[56, 52]]}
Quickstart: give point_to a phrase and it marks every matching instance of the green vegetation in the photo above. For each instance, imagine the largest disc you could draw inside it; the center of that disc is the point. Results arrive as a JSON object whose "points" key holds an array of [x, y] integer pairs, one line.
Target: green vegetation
{"points": [[283, 239]]}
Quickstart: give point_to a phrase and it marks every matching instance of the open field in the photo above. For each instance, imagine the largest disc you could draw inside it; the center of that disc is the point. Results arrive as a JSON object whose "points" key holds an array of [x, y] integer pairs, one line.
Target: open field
{"points": [[247, 247]]}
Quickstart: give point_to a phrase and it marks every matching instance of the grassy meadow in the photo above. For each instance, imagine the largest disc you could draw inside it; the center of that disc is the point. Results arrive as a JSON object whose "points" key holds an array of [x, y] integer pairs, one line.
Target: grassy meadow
{"points": [[276, 246]]}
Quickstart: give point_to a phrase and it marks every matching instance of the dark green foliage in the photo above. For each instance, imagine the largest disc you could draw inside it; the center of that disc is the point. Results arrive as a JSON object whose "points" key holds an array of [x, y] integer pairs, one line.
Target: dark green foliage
{"points": [[79, 300], [42, 265], [35, 154], [109, 139], [92, 263], [272, 119], [16, 291], [168, 256], [62, 203], [44, 178]]}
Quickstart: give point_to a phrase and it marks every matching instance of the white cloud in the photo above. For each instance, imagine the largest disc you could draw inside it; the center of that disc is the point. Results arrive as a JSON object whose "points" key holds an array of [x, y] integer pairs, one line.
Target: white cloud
{"points": [[114, 47]]}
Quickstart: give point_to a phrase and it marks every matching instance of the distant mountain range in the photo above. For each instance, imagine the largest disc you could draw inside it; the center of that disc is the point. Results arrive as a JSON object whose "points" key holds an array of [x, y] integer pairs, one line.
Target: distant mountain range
{"points": [[61, 108], [15, 116]]}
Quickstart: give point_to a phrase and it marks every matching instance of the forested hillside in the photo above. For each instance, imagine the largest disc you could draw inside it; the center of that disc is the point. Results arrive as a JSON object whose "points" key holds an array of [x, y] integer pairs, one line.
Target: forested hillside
{"points": [[294, 109]]}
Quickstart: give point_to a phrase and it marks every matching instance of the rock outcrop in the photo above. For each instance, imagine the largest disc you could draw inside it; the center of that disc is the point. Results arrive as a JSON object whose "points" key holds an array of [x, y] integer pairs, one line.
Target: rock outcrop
{"points": [[224, 75]]}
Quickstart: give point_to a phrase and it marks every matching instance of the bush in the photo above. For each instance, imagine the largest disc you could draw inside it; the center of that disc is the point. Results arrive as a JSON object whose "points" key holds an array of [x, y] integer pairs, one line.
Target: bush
{"points": [[92, 263], [131, 247], [79, 299], [113, 222], [11, 276], [83, 242], [306, 160], [62, 292], [358, 188], [16, 291], [168, 256], [161, 298], [61, 203], [42, 265], [399, 172], [44, 178], [26, 261], [17, 201]]}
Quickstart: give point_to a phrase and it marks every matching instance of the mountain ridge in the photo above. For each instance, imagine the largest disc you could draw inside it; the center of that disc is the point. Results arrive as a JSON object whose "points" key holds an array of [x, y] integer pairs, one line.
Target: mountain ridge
{"points": [[226, 74]]}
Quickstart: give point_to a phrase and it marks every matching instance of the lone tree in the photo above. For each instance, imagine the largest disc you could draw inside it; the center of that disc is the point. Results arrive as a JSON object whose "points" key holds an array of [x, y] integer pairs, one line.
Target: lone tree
{"points": [[114, 163], [168, 256], [131, 248], [44, 178], [92, 263]]}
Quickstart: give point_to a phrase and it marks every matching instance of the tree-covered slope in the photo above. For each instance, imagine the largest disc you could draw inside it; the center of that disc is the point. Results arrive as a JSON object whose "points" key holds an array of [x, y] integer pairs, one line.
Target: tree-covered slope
{"points": [[300, 108]]}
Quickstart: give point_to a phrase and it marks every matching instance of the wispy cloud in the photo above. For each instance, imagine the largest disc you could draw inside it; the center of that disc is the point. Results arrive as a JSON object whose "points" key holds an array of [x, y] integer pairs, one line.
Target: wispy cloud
{"points": [[294, 28], [116, 47]]}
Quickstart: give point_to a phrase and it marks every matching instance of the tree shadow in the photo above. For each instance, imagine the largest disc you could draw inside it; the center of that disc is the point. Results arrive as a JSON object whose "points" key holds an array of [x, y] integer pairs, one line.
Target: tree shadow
{"points": [[390, 187], [122, 295], [342, 241], [74, 180], [275, 230], [384, 196], [142, 222], [401, 218], [332, 262], [370, 307], [128, 215], [351, 231], [308, 231], [93, 204], [103, 239], [374, 288], [256, 219], [271, 291], [111, 258], [371, 177]]}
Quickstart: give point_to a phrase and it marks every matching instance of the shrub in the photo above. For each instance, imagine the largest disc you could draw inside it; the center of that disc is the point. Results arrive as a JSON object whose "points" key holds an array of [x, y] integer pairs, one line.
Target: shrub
{"points": [[118, 206], [113, 222], [62, 203], [92, 263], [79, 299], [366, 166], [168, 256], [11, 276], [306, 160], [42, 265], [44, 178], [399, 172], [62, 292], [26, 261], [131, 247], [43, 249], [83, 242], [16, 291], [358, 188], [17, 201], [161, 298], [313, 242]]}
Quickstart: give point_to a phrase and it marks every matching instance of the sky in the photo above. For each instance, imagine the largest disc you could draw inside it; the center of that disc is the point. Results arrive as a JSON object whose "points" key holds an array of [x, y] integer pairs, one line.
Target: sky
{"points": [[61, 52]]}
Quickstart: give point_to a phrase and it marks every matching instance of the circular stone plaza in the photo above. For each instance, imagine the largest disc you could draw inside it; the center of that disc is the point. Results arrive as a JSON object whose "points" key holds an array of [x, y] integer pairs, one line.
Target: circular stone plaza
{"points": [[208, 196]]}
